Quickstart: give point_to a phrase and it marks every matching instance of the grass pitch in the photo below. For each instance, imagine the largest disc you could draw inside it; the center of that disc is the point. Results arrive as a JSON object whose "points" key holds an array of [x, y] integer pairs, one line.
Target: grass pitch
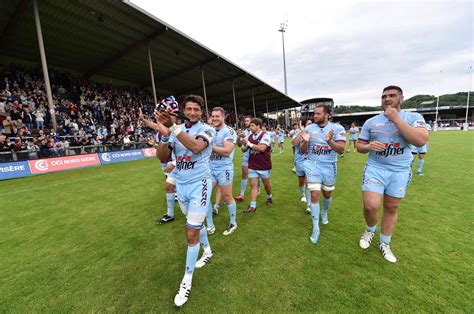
{"points": [[86, 240]]}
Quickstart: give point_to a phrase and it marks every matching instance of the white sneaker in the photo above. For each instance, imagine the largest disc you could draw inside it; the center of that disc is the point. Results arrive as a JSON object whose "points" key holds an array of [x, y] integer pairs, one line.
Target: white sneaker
{"points": [[303, 199], [230, 229], [387, 252], [294, 169], [205, 258], [308, 210], [366, 239], [215, 211], [348, 150], [183, 294], [211, 231], [324, 219]]}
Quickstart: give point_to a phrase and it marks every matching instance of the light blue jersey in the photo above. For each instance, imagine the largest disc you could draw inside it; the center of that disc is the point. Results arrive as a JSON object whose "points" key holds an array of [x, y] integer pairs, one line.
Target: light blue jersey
{"points": [[397, 153], [192, 167], [281, 136], [245, 157], [353, 133], [272, 137], [219, 162], [318, 149], [299, 156]]}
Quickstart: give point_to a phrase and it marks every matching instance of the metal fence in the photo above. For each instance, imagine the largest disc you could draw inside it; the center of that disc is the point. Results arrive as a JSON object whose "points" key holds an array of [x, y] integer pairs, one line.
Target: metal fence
{"points": [[9, 156]]}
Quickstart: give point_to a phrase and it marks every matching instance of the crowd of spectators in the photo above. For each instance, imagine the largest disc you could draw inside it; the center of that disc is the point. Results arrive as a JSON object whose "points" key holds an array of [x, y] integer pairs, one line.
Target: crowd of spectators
{"points": [[88, 114]]}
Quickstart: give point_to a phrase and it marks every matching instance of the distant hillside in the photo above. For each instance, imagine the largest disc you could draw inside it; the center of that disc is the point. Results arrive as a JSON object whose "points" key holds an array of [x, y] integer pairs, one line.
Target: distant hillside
{"points": [[458, 99]]}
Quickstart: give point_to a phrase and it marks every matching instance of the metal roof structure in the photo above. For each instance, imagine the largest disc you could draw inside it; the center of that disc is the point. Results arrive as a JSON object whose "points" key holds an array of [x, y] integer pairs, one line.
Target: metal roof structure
{"points": [[109, 38]]}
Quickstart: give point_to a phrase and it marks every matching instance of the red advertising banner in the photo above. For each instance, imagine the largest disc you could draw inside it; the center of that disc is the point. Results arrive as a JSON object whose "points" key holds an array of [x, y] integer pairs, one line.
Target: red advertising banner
{"points": [[149, 152], [63, 163]]}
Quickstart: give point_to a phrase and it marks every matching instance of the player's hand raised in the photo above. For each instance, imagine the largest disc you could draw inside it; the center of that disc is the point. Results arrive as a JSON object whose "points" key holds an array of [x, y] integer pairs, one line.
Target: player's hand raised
{"points": [[329, 135], [391, 114], [305, 136], [165, 118], [376, 146]]}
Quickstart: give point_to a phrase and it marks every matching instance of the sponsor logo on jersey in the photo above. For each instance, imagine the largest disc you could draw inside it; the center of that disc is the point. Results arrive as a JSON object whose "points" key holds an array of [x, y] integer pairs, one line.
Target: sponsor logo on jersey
{"points": [[321, 150], [391, 149], [184, 163]]}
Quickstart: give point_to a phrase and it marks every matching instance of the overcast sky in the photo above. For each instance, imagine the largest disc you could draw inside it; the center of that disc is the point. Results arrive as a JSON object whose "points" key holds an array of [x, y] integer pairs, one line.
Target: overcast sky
{"points": [[347, 50]]}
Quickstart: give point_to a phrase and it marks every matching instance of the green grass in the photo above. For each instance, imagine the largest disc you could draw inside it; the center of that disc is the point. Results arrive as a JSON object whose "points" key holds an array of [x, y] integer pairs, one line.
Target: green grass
{"points": [[86, 240]]}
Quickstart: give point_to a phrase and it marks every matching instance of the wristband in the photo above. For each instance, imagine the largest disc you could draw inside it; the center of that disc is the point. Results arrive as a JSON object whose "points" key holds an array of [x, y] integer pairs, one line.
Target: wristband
{"points": [[175, 129], [250, 144], [173, 162], [165, 139]]}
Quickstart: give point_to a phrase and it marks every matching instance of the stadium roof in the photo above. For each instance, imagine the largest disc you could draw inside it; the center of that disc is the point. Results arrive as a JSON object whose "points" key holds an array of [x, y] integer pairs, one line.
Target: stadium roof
{"points": [[109, 38]]}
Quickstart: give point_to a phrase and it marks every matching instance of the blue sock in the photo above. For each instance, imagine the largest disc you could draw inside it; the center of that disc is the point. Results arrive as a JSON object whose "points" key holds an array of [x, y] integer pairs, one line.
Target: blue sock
{"points": [[253, 204], [315, 216], [191, 259], [326, 204], [371, 229], [232, 213], [209, 220], [204, 240], [302, 191], [170, 204], [243, 186], [420, 164], [385, 238]]}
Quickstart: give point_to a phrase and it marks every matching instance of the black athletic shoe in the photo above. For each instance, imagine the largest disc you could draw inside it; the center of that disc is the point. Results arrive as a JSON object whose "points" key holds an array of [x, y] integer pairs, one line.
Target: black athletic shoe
{"points": [[165, 219]]}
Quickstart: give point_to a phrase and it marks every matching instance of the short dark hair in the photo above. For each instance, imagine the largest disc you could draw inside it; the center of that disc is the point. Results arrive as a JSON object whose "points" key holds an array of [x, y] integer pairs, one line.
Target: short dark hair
{"points": [[248, 116], [305, 120], [393, 87], [257, 121], [327, 109], [193, 98], [220, 109]]}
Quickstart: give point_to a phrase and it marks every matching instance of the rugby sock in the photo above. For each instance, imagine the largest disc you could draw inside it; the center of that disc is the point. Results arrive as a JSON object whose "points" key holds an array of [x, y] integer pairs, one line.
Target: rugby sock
{"points": [[371, 229], [243, 186], [204, 240], [302, 191], [420, 164], [326, 204], [232, 213], [308, 197], [315, 216], [170, 204], [209, 220], [191, 259], [385, 238], [253, 204]]}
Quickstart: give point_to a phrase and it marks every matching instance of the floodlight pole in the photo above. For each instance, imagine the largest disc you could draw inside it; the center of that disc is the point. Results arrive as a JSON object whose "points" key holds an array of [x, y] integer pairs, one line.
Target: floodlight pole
{"points": [[283, 27], [253, 103], [204, 90], [151, 73], [466, 126], [235, 105], [44, 64]]}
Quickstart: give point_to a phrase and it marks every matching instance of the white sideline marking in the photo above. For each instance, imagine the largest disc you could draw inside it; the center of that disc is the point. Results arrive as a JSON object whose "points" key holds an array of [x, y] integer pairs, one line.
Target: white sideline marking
{"points": [[76, 180]]}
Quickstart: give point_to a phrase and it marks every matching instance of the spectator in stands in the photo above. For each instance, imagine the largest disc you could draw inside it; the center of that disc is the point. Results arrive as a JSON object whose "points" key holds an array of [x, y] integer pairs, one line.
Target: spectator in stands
{"points": [[33, 149], [8, 126], [39, 117]]}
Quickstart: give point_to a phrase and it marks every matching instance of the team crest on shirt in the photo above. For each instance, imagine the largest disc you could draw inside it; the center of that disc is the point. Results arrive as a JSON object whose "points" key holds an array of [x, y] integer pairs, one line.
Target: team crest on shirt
{"points": [[185, 163]]}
